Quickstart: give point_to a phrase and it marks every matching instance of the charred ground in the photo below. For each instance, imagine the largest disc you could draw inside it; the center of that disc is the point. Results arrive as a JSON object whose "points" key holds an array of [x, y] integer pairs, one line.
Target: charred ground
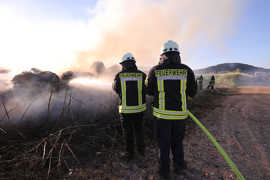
{"points": [[75, 147]]}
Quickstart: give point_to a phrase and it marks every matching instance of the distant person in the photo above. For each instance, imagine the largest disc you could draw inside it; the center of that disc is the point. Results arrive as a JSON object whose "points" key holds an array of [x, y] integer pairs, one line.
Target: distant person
{"points": [[200, 79], [129, 84], [171, 82], [212, 83]]}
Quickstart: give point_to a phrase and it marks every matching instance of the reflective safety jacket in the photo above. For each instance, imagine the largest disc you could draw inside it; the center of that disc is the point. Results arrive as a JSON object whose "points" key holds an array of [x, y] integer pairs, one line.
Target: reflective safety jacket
{"points": [[171, 84], [130, 86]]}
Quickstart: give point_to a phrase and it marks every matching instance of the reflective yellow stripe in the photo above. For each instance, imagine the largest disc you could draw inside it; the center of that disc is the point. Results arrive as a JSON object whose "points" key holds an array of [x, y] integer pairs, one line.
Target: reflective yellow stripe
{"points": [[139, 92], [124, 77], [163, 94], [159, 94], [170, 117], [169, 114], [123, 90], [171, 74], [185, 96], [132, 109], [182, 95], [138, 87]]}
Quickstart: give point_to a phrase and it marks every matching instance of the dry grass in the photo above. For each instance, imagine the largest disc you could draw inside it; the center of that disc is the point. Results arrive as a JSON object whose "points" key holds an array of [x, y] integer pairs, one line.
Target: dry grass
{"points": [[54, 146], [60, 148]]}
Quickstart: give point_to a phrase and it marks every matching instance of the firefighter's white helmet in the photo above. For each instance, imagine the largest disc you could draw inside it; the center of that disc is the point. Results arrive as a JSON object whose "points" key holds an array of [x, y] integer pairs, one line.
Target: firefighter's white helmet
{"points": [[127, 57], [169, 46]]}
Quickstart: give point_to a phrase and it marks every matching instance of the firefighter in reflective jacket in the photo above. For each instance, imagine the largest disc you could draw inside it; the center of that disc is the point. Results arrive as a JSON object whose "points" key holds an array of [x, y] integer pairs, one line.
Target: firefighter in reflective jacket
{"points": [[129, 84], [171, 82]]}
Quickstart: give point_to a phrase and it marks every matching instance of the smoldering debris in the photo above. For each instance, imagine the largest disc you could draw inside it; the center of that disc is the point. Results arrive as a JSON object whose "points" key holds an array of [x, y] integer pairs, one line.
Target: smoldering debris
{"points": [[40, 96], [97, 70], [57, 131], [47, 133], [97, 67], [4, 71]]}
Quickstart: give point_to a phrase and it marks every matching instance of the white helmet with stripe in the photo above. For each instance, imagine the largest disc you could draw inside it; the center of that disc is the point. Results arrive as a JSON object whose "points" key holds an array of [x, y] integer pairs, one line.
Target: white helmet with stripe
{"points": [[127, 57], [169, 46]]}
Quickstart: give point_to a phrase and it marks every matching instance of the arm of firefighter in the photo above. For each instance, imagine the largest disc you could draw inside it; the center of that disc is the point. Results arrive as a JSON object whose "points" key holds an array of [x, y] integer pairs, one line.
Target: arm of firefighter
{"points": [[192, 85], [151, 83], [116, 85]]}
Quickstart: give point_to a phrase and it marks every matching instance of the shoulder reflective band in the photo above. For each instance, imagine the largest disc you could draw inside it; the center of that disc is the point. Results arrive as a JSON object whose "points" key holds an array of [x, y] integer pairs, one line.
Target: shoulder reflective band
{"points": [[219, 148]]}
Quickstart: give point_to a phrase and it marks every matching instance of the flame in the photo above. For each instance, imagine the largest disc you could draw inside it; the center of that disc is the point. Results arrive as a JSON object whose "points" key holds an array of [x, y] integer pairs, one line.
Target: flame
{"points": [[89, 82]]}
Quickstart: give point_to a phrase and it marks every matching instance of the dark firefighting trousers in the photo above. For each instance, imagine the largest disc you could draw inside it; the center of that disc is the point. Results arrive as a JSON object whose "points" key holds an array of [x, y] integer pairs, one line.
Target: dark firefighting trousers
{"points": [[133, 127], [170, 136]]}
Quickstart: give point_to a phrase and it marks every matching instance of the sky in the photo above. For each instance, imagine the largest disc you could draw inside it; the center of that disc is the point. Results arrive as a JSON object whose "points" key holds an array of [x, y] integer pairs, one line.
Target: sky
{"points": [[58, 35], [248, 43]]}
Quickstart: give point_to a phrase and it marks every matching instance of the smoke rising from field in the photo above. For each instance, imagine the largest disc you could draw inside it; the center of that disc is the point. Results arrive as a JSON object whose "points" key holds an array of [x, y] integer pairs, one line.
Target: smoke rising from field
{"points": [[79, 101], [141, 27], [4, 79], [115, 27], [37, 95]]}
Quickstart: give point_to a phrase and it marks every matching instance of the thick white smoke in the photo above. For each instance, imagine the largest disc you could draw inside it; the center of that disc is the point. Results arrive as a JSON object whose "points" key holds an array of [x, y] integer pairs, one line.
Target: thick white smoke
{"points": [[87, 100], [115, 27], [142, 26]]}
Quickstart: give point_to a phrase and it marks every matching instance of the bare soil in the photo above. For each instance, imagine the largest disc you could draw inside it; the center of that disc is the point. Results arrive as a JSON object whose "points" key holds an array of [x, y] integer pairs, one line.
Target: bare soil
{"points": [[239, 119], [241, 124]]}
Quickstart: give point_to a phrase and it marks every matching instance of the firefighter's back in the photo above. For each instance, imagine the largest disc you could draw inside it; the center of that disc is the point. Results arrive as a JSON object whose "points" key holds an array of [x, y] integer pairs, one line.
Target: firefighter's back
{"points": [[171, 82]]}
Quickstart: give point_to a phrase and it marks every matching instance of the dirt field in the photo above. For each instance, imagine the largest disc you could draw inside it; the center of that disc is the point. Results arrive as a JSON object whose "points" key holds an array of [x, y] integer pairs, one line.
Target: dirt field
{"points": [[239, 120], [241, 124]]}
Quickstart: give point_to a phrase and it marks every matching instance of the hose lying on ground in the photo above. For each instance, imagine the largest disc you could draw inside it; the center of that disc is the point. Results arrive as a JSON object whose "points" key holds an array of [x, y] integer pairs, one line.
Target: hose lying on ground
{"points": [[219, 148]]}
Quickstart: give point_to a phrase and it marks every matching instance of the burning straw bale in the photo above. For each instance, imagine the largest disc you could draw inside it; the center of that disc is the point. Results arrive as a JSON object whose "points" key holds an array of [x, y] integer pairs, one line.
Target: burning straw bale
{"points": [[36, 80]]}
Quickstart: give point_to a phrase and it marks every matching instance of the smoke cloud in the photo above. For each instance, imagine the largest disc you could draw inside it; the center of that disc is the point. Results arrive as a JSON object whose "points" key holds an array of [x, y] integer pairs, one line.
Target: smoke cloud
{"points": [[81, 100], [115, 27], [4, 79], [141, 27]]}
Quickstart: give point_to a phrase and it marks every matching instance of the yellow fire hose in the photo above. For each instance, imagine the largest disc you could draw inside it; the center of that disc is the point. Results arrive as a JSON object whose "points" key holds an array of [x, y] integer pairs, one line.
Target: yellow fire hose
{"points": [[219, 148]]}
